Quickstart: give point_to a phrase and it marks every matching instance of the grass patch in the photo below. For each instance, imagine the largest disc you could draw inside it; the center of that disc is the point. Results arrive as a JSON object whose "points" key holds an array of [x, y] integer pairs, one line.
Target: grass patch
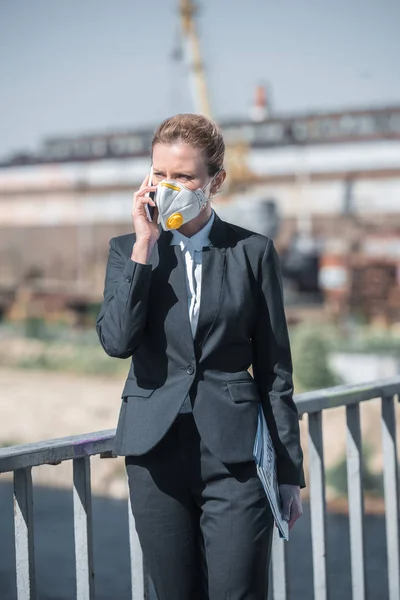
{"points": [[85, 360], [310, 351], [56, 347], [367, 341], [8, 443]]}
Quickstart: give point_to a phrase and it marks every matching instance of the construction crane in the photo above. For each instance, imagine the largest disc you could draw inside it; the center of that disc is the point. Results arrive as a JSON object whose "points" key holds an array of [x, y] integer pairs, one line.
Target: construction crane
{"points": [[238, 171], [201, 100]]}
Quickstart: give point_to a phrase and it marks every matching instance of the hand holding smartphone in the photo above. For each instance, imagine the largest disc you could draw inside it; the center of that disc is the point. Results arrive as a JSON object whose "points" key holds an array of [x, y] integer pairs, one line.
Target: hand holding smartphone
{"points": [[145, 227]]}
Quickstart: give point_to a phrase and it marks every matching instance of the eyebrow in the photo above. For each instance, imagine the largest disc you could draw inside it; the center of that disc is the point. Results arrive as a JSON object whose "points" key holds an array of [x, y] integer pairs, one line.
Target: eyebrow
{"points": [[186, 173]]}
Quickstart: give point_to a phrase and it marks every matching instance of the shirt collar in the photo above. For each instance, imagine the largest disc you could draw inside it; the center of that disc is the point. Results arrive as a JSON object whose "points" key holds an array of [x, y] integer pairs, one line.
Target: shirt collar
{"points": [[197, 241]]}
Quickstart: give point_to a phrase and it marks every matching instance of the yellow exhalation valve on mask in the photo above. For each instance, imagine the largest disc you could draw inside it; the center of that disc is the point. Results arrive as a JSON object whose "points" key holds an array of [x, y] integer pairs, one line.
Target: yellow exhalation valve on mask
{"points": [[175, 221]]}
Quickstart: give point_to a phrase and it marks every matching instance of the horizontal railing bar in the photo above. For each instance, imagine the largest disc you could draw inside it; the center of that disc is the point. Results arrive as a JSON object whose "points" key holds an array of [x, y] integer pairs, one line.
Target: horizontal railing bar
{"points": [[56, 450], [344, 395]]}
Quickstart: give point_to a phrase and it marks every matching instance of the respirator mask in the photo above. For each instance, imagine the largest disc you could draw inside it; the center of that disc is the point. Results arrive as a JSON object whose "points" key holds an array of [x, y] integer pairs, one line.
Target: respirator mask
{"points": [[178, 204]]}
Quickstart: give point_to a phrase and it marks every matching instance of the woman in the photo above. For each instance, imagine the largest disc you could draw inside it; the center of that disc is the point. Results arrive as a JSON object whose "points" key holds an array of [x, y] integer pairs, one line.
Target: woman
{"points": [[195, 307]]}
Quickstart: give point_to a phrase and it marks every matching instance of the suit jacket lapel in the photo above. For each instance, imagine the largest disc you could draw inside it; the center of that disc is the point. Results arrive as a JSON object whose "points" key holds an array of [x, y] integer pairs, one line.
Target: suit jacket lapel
{"points": [[171, 265], [212, 279], [178, 282]]}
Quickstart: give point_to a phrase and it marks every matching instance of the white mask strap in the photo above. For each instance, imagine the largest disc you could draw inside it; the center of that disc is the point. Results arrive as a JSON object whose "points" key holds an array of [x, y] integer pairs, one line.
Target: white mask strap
{"points": [[210, 182]]}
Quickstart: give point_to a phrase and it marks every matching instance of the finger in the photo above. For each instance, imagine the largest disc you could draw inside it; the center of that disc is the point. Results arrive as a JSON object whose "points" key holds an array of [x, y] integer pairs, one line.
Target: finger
{"points": [[139, 204], [145, 190], [293, 521], [286, 510], [296, 514], [138, 197], [147, 200]]}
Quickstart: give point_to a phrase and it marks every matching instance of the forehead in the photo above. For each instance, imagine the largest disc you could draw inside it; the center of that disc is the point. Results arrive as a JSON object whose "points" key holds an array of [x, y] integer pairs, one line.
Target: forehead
{"points": [[178, 157]]}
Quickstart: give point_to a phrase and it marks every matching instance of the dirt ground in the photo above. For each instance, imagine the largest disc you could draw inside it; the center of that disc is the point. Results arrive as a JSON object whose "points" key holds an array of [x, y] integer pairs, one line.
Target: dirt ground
{"points": [[40, 405]]}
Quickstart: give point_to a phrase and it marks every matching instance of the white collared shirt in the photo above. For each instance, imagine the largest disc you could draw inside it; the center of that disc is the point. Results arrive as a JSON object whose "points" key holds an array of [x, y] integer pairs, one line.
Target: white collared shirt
{"points": [[192, 253]]}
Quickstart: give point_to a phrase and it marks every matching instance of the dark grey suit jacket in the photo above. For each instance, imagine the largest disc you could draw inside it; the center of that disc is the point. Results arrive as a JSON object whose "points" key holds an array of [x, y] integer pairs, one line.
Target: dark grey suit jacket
{"points": [[241, 323]]}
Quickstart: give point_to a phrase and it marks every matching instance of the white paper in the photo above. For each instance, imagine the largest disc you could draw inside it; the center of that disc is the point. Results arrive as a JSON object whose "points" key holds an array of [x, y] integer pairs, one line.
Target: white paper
{"points": [[264, 455]]}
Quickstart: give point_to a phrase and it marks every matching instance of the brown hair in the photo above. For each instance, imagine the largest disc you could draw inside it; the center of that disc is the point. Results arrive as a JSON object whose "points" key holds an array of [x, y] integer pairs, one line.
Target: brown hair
{"points": [[197, 131]]}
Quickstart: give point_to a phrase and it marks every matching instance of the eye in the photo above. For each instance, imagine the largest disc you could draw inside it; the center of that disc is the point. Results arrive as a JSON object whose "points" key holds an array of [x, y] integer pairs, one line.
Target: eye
{"points": [[158, 175], [183, 176]]}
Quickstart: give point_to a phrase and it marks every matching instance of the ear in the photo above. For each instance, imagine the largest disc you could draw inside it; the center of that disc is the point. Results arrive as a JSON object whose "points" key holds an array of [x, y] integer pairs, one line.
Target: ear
{"points": [[219, 180]]}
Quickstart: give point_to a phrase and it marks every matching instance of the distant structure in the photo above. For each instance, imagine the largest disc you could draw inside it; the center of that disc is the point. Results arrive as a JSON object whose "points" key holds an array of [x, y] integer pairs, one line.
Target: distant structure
{"points": [[261, 107], [318, 163], [60, 204]]}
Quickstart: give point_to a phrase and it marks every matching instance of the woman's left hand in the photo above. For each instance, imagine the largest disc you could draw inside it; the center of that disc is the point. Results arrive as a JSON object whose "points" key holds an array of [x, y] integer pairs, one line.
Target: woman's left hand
{"points": [[292, 508]]}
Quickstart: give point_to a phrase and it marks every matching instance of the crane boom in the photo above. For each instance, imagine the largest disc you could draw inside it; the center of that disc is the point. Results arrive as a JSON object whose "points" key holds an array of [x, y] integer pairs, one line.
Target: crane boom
{"points": [[237, 151], [197, 75]]}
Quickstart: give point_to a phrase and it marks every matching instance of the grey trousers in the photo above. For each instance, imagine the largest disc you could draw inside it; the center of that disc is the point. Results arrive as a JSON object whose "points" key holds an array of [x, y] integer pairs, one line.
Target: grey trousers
{"points": [[205, 527]]}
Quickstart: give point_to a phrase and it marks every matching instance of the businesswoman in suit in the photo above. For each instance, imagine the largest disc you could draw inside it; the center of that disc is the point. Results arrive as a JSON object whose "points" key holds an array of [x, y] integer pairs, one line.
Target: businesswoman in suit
{"points": [[194, 308]]}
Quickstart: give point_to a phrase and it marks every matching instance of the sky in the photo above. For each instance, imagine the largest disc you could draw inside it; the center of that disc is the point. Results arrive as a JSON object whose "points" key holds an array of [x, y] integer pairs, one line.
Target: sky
{"points": [[69, 67]]}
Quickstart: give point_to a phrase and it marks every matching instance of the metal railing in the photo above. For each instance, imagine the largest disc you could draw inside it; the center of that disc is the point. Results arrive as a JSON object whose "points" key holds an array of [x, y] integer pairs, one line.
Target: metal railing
{"points": [[79, 449]]}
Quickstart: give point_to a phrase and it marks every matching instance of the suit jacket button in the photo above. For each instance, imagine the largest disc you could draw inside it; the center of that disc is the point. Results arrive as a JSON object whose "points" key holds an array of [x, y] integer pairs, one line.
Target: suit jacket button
{"points": [[190, 370], [129, 279]]}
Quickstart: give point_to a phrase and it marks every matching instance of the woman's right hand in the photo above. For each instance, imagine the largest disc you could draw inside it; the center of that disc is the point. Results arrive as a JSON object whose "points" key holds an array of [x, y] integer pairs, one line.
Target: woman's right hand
{"points": [[147, 233], [145, 230]]}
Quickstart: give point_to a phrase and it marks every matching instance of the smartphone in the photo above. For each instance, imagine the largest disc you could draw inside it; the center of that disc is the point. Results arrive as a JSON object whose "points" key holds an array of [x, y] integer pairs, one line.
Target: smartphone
{"points": [[150, 209]]}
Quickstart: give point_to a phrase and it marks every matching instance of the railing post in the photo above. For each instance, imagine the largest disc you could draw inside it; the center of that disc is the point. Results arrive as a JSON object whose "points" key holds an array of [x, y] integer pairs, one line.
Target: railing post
{"points": [[391, 486], [139, 576], [24, 535], [318, 505], [356, 500], [83, 529], [279, 567]]}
